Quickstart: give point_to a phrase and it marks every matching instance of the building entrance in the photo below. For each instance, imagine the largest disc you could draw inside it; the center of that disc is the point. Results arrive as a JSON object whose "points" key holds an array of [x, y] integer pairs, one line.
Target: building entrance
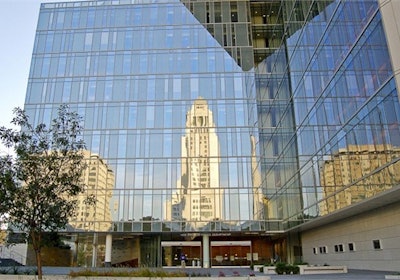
{"points": [[178, 253], [231, 253]]}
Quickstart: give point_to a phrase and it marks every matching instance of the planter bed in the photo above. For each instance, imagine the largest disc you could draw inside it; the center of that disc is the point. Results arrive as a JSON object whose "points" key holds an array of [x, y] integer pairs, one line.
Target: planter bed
{"points": [[392, 276], [269, 270], [322, 269]]}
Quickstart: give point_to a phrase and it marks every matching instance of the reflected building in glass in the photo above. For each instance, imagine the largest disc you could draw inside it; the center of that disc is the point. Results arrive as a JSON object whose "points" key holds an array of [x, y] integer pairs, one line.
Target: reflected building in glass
{"points": [[357, 173], [199, 195], [99, 182], [235, 130]]}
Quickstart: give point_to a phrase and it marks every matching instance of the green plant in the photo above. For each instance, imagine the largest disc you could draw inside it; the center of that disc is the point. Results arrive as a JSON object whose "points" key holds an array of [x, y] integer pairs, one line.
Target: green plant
{"points": [[41, 181], [280, 268], [292, 269], [15, 270], [284, 268], [136, 273], [4, 271]]}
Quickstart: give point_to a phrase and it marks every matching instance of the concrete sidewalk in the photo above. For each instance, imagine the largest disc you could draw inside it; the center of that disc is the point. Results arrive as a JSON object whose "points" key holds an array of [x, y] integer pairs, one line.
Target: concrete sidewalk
{"points": [[232, 271], [352, 274]]}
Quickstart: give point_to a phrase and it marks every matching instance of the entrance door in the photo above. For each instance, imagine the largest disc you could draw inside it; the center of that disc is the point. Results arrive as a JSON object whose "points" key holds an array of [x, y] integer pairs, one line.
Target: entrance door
{"points": [[173, 250], [230, 253]]}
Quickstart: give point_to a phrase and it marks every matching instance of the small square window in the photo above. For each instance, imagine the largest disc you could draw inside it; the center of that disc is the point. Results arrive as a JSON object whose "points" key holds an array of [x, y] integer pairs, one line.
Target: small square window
{"points": [[339, 248], [323, 250], [315, 251], [376, 244], [351, 247]]}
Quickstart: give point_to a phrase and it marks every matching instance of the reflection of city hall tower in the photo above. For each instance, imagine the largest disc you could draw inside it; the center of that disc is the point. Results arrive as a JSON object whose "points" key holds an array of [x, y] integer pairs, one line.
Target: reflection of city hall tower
{"points": [[199, 197]]}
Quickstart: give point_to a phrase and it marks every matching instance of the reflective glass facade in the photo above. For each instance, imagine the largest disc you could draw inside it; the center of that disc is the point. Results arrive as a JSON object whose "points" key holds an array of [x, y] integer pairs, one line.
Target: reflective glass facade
{"points": [[334, 127], [222, 117], [137, 74], [345, 103]]}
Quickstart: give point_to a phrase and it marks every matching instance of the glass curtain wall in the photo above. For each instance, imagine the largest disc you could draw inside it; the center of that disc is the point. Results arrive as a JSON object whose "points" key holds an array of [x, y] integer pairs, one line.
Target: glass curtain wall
{"points": [[167, 108], [281, 188], [346, 105], [328, 108]]}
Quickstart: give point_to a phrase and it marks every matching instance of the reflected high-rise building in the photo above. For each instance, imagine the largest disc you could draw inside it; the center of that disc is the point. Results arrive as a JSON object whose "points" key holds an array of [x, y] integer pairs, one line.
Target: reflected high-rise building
{"points": [[223, 123], [199, 195], [99, 182], [356, 173]]}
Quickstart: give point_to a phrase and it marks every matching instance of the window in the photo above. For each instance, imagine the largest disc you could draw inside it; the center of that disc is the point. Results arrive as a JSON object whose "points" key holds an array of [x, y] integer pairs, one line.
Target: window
{"points": [[376, 244], [315, 251], [351, 247], [323, 250], [339, 248]]}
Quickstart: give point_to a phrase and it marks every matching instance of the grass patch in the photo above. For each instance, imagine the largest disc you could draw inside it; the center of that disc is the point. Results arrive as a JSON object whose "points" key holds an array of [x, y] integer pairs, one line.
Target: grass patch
{"points": [[132, 273]]}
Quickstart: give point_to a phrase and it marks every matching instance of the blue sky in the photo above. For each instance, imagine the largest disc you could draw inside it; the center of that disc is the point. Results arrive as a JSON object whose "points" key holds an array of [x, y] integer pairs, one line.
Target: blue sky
{"points": [[18, 20]]}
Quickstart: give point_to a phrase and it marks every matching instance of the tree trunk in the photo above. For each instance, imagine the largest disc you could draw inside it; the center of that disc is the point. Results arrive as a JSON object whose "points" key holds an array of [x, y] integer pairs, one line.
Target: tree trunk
{"points": [[37, 245], [39, 263]]}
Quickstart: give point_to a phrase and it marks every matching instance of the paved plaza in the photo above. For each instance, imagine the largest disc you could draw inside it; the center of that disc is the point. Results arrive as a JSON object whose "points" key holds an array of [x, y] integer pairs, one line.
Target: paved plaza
{"points": [[231, 271]]}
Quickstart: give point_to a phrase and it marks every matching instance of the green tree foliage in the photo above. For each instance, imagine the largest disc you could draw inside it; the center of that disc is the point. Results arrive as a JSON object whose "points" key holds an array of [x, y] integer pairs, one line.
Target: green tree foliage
{"points": [[41, 179]]}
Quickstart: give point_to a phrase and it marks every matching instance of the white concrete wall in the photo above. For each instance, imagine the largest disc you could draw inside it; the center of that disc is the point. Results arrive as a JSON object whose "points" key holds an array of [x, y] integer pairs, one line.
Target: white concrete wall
{"points": [[382, 224], [17, 252]]}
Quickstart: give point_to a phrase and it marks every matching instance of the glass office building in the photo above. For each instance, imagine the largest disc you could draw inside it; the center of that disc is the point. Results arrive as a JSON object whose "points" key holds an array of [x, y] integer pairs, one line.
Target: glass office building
{"points": [[224, 126]]}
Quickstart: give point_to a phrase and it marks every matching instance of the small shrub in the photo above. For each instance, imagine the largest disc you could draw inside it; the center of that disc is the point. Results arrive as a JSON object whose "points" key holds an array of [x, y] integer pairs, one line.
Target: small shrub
{"points": [[284, 268], [15, 270], [4, 271], [292, 269], [280, 268], [221, 274]]}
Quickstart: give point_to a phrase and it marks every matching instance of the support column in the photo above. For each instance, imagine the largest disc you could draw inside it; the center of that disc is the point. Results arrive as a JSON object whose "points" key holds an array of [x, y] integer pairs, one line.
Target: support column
{"points": [[206, 251], [107, 259], [94, 252]]}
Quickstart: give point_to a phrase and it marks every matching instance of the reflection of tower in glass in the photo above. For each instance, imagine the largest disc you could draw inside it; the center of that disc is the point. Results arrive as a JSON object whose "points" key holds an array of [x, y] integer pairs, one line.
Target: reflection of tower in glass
{"points": [[199, 193], [99, 180]]}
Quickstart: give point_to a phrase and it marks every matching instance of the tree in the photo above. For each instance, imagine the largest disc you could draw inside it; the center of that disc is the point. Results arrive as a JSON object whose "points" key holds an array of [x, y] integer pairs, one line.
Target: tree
{"points": [[40, 181]]}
